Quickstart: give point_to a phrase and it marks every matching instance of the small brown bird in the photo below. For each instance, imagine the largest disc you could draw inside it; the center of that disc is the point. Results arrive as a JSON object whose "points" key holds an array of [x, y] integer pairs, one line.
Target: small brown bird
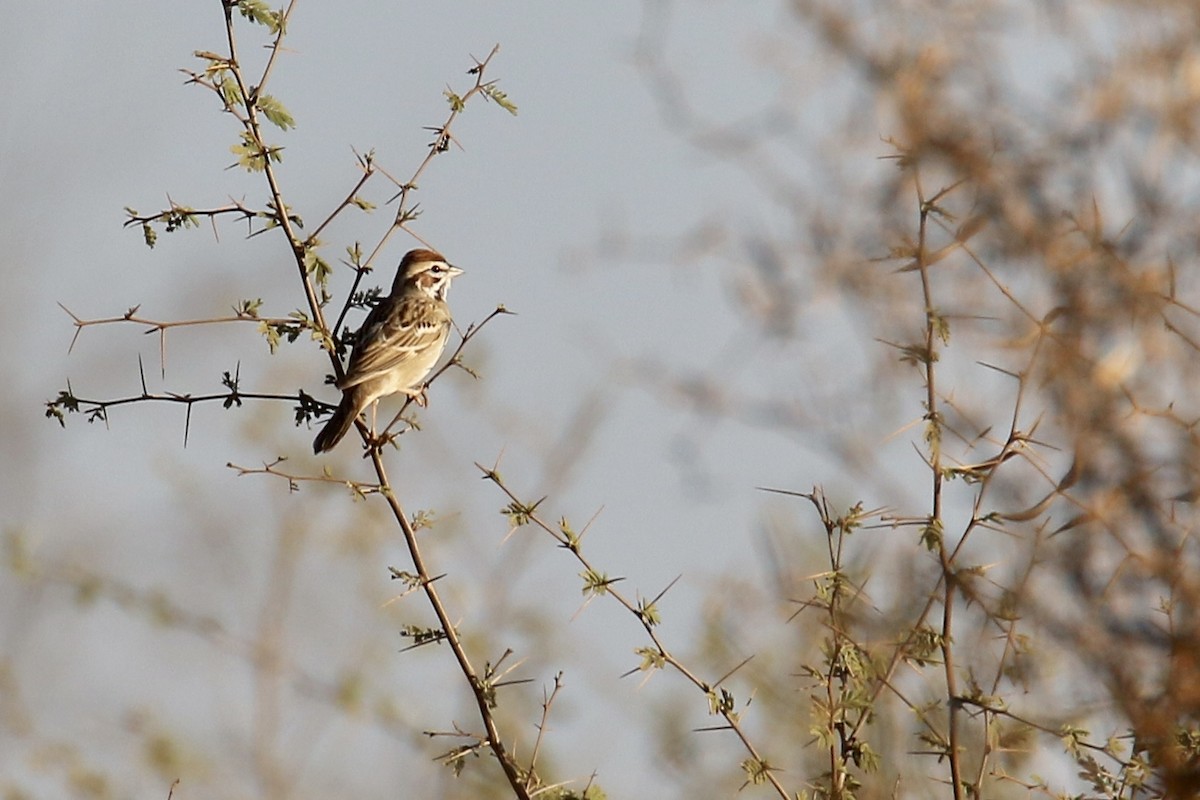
{"points": [[398, 344]]}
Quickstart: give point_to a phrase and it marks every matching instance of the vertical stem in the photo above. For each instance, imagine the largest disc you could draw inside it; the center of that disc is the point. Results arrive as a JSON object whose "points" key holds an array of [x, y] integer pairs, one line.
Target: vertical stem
{"points": [[515, 779], [299, 249], [249, 100], [935, 515]]}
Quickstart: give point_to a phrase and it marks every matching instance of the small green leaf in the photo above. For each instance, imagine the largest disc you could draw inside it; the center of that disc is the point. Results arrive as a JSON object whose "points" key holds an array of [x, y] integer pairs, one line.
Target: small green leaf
{"points": [[595, 583], [227, 87], [518, 513], [720, 704], [248, 308], [251, 156], [258, 12], [271, 333], [757, 770], [317, 267], [648, 612], [275, 112], [931, 535], [652, 658], [491, 90], [570, 537]]}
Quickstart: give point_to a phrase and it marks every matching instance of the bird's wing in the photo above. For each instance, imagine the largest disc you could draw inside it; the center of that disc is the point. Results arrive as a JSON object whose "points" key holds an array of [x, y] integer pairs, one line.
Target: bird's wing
{"points": [[393, 332]]}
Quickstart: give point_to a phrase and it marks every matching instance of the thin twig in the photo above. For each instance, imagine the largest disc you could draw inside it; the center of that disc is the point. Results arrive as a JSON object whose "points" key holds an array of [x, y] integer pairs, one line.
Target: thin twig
{"points": [[602, 584]]}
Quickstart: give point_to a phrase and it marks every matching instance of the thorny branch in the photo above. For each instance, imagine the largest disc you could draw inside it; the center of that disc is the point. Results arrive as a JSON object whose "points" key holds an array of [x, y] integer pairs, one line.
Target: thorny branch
{"points": [[721, 701], [248, 103]]}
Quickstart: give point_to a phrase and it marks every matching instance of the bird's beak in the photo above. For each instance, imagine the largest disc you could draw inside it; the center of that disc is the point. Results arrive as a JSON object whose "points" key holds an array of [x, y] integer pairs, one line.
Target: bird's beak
{"points": [[453, 270]]}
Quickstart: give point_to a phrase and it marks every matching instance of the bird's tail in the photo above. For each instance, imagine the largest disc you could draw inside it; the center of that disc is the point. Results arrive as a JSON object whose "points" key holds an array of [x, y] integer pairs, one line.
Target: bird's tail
{"points": [[337, 426]]}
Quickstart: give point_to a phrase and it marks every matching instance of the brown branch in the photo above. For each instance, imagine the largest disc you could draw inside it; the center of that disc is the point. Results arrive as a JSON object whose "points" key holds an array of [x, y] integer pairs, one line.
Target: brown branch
{"points": [[547, 702], [244, 105], [646, 615], [479, 689], [161, 327], [933, 437], [367, 165], [405, 213], [358, 489], [177, 216], [253, 127]]}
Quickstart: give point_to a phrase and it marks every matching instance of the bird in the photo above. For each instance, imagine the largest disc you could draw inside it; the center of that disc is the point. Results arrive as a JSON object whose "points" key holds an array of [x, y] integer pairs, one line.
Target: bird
{"points": [[398, 343]]}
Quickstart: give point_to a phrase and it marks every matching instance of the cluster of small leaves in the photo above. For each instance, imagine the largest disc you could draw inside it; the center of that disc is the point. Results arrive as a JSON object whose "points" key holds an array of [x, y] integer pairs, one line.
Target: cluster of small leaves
{"points": [[917, 354], [847, 680], [346, 340], [258, 12], [248, 308], [319, 334], [932, 740], [850, 521], [410, 579], [409, 213], [722, 703], [422, 635], [1107, 782], [175, 218], [275, 331], [590, 793], [652, 658], [455, 100], [275, 112], [757, 770], [832, 588], [227, 88], [69, 403], [424, 518], [440, 144], [218, 75], [931, 535], [596, 583], [940, 326], [570, 539], [838, 716], [272, 217], [179, 217], [309, 408], [456, 757], [65, 403], [253, 157], [492, 91], [518, 514], [317, 267], [368, 298], [924, 645], [933, 430], [230, 381], [647, 611], [848, 661]]}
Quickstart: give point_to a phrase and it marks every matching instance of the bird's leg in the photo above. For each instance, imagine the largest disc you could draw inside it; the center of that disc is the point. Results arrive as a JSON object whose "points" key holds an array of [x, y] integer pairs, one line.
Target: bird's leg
{"points": [[374, 440]]}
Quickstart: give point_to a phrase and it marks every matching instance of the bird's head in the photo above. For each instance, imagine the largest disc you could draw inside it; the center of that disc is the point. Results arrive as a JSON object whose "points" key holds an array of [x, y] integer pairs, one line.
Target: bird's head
{"points": [[427, 271]]}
